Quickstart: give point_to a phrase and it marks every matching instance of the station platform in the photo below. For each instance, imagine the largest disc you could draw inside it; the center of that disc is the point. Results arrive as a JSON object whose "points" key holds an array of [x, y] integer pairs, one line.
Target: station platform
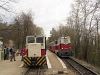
{"points": [[54, 65], [10, 68]]}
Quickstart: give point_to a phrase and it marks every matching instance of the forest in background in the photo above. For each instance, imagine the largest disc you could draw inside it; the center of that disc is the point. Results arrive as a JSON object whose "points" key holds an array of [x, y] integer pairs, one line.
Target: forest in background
{"points": [[83, 26], [21, 26], [17, 31]]}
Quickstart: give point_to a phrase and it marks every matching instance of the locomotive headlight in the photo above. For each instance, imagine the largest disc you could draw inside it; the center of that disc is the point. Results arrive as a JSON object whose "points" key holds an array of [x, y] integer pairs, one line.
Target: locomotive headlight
{"points": [[62, 48]]}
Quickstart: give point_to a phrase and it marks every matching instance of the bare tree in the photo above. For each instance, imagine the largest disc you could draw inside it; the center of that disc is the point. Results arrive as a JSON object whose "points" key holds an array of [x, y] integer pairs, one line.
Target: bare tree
{"points": [[25, 26], [6, 6], [83, 25]]}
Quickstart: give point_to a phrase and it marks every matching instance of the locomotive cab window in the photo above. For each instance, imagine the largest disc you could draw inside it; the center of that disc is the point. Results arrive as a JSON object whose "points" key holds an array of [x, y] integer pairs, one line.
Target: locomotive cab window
{"points": [[30, 40], [39, 40], [65, 40]]}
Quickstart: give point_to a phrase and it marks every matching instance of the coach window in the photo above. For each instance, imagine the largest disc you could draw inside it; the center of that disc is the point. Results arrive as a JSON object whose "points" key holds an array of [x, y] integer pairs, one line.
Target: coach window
{"points": [[39, 40], [31, 40]]}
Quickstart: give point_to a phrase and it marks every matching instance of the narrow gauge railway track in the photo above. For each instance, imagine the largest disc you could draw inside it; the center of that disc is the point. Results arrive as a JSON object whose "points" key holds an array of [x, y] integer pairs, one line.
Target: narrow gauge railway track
{"points": [[34, 71], [82, 70]]}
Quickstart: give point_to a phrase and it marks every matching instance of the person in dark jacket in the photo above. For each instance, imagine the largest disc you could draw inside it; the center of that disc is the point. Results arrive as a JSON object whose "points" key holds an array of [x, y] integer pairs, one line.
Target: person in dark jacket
{"points": [[12, 54], [6, 53]]}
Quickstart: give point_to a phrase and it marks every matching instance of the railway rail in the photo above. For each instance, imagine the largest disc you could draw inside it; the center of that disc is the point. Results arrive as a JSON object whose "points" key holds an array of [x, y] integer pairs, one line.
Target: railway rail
{"points": [[34, 71], [82, 70]]}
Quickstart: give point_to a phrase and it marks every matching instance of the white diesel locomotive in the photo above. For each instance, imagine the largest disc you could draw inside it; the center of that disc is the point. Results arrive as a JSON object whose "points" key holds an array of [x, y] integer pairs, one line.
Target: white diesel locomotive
{"points": [[36, 51]]}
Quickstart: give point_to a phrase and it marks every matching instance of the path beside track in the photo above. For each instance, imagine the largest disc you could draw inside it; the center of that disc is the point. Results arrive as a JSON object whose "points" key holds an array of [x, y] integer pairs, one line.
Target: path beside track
{"points": [[10, 68]]}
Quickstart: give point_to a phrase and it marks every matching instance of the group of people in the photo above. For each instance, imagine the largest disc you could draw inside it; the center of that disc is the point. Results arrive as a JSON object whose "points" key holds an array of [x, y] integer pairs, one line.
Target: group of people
{"points": [[9, 53]]}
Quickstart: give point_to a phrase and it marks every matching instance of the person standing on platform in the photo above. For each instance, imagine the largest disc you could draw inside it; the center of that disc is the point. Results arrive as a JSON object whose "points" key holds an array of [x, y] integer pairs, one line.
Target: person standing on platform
{"points": [[5, 54], [12, 54], [7, 51]]}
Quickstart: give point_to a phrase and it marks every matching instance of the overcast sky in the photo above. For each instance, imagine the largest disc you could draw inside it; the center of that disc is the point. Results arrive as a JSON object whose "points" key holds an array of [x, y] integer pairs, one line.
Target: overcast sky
{"points": [[47, 13]]}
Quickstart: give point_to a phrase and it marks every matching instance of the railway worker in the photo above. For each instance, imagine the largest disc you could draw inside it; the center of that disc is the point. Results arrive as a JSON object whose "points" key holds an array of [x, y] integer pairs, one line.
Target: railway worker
{"points": [[12, 54]]}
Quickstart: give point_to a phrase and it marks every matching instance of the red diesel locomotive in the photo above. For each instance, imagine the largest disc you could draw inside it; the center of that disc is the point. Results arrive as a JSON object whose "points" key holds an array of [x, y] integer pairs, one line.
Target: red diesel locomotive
{"points": [[62, 47]]}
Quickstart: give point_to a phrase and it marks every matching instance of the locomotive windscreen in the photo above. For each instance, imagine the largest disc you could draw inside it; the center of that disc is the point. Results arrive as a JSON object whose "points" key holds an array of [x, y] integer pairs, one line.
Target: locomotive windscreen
{"points": [[39, 40], [30, 39], [65, 40]]}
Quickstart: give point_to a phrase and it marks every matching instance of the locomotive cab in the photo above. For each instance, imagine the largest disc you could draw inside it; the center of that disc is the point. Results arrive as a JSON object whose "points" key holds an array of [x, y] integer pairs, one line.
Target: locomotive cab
{"points": [[35, 46]]}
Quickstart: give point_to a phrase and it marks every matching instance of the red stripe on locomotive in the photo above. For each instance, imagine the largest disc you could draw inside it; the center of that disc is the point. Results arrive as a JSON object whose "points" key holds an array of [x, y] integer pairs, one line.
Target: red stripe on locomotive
{"points": [[43, 52], [64, 46], [24, 52]]}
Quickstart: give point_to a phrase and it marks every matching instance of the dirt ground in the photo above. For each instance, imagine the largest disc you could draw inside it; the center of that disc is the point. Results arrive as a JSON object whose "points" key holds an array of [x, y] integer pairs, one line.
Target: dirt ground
{"points": [[10, 68]]}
